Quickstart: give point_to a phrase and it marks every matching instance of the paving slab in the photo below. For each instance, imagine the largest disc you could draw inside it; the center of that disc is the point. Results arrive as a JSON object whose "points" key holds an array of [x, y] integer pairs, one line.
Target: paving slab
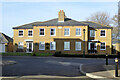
{"points": [[100, 71]]}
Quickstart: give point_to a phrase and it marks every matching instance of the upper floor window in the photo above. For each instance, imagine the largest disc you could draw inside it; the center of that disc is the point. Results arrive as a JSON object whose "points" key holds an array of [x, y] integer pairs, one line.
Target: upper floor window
{"points": [[42, 31], [103, 46], [42, 46], [67, 31], [66, 45], [52, 32], [20, 33], [20, 45], [77, 45], [92, 33], [102, 33], [52, 45], [30, 33], [78, 32]]}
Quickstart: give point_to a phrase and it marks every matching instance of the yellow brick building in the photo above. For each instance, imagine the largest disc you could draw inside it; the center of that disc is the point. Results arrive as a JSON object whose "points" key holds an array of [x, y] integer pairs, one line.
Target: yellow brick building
{"points": [[63, 34]]}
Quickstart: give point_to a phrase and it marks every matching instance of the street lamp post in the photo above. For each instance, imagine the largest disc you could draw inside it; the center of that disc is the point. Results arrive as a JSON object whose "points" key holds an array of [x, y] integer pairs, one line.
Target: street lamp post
{"points": [[116, 67], [84, 43]]}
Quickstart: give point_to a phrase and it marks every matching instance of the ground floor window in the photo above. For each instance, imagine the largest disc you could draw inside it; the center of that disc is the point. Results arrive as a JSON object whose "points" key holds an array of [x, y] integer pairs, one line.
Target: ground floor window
{"points": [[66, 45], [42, 46], [77, 45], [103, 46], [20, 45], [52, 45]]}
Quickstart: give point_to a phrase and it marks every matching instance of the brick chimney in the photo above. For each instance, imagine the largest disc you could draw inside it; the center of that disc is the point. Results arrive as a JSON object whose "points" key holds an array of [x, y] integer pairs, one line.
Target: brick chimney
{"points": [[61, 16]]}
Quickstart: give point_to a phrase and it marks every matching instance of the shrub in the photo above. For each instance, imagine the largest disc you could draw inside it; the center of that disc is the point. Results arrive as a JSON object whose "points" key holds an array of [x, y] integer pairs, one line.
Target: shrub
{"points": [[33, 54], [57, 53]]}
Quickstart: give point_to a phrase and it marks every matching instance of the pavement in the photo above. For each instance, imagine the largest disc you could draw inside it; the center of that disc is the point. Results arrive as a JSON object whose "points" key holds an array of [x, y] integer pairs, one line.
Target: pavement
{"points": [[55, 68], [100, 71]]}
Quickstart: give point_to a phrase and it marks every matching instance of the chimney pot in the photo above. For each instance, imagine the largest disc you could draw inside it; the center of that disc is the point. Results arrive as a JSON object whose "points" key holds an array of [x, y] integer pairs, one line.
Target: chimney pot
{"points": [[61, 16]]}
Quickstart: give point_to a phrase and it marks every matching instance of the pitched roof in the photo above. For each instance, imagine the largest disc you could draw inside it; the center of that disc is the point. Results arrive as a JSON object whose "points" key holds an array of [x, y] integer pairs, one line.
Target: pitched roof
{"points": [[67, 22], [4, 38], [96, 25], [25, 26], [52, 22]]}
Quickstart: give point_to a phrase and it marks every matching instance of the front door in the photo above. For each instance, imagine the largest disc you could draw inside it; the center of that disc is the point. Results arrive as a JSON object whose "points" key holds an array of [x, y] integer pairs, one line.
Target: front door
{"points": [[92, 47], [29, 46]]}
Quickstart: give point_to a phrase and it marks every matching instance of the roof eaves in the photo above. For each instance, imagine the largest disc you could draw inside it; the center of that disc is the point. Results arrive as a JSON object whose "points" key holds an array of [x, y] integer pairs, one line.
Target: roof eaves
{"points": [[19, 27]]}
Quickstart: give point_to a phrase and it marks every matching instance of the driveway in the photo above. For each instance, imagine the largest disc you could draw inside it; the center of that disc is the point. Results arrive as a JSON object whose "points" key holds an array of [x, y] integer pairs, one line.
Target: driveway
{"points": [[51, 66]]}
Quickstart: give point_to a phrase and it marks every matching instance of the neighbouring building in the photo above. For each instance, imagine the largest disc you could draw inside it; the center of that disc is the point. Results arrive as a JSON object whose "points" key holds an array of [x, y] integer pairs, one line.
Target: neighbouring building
{"points": [[6, 43], [63, 34]]}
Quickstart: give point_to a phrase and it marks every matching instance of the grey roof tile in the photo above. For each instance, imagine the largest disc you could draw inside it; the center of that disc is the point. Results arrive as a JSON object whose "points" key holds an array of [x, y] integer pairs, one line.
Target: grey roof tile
{"points": [[96, 25], [67, 22], [52, 22]]}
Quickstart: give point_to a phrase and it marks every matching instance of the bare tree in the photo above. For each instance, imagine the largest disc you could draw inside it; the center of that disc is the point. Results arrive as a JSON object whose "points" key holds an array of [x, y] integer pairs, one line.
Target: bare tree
{"points": [[115, 20], [100, 17]]}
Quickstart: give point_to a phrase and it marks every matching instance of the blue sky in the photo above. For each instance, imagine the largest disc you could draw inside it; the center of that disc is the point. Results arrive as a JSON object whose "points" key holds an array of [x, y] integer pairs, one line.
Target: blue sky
{"points": [[19, 13]]}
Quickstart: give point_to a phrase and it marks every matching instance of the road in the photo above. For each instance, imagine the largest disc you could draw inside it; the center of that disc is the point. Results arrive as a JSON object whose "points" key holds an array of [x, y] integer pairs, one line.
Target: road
{"points": [[50, 66]]}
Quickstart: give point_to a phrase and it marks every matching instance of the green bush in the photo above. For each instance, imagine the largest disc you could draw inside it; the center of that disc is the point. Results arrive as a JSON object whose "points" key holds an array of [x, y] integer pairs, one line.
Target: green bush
{"points": [[57, 53], [33, 54]]}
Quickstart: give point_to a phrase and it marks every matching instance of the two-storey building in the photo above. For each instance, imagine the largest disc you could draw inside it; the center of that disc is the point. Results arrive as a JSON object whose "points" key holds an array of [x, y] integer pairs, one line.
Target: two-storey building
{"points": [[63, 34]]}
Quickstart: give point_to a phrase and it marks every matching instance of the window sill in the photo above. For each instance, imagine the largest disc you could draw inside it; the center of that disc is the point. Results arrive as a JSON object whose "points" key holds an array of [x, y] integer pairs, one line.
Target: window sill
{"points": [[66, 49], [77, 50], [20, 36], [42, 35], [66, 35], [30, 36], [102, 36], [41, 49]]}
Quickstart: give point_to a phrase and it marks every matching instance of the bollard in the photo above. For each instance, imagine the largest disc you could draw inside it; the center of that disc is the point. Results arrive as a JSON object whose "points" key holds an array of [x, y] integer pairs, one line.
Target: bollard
{"points": [[106, 59], [116, 67]]}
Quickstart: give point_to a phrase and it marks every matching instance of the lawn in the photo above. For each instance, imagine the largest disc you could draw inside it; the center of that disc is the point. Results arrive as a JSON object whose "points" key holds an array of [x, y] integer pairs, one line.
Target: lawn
{"points": [[25, 54]]}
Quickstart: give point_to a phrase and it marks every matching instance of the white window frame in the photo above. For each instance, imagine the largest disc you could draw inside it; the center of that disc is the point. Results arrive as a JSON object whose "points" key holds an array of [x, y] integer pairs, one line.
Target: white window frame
{"points": [[69, 45], [44, 46], [44, 31], [23, 33], [64, 31], [76, 31], [20, 46], [54, 32], [28, 33], [100, 33], [54, 45], [105, 46], [91, 34], [76, 46]]}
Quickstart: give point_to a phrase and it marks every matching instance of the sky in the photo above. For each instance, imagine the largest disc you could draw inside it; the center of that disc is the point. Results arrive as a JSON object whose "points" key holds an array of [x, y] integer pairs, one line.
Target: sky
{"points": [[18, 13]]}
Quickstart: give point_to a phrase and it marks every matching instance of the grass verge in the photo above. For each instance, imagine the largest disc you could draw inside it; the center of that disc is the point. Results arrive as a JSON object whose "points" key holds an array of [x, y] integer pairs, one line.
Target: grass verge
{"points": [[25, 54]]}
